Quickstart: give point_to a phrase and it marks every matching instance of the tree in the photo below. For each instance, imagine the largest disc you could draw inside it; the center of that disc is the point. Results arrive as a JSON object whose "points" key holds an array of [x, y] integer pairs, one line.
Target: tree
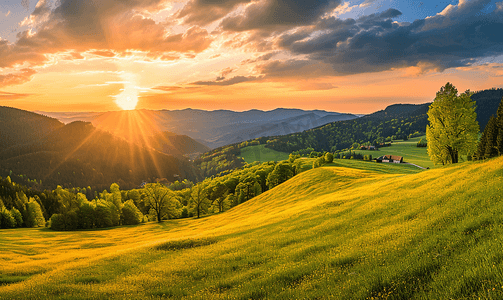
{"points": [[281, 173], [6, 219], [34, 216], [499, 126], [131, 214], [453, 128], [199, 202], [490, 148], [329, 158], [160, 200], [218, 194]]}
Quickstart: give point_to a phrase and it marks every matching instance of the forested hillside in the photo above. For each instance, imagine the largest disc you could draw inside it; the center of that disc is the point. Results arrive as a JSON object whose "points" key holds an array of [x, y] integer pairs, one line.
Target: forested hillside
{"points": [[19, 126], [397, 121], [79, 155]]}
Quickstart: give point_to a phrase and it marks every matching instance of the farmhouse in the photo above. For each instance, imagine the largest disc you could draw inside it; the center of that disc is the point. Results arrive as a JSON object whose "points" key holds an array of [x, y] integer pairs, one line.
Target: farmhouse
{"points": [[390, 158], [367, 148]]}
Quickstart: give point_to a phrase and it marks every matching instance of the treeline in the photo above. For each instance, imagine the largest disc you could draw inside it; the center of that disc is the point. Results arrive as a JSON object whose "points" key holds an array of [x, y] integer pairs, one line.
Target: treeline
{"points": [[70, 209], [19, 211], [491, 142]]}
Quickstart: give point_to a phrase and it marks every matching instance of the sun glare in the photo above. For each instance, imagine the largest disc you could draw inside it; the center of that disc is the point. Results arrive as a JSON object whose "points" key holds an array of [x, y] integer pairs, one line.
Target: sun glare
{"points": [[128, 98], [126, 102]]}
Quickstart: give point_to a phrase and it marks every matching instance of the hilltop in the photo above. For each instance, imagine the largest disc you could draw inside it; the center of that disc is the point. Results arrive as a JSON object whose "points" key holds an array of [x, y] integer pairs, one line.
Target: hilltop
{"points": [[331, 232]]}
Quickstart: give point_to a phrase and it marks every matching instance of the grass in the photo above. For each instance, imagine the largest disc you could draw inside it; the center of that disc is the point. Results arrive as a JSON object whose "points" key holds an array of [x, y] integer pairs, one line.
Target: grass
{"points": [[408, 149], [329, 233], [260, 153]]}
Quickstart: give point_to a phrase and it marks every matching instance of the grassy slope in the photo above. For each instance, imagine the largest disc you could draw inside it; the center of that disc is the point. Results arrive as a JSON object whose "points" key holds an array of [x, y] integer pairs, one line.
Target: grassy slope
{"points": [[331, 232], [262, 154]]}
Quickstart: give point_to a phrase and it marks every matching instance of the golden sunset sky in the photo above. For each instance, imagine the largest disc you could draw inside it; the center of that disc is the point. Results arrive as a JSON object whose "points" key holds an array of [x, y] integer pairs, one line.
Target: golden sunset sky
{"points": [[344, 56]]}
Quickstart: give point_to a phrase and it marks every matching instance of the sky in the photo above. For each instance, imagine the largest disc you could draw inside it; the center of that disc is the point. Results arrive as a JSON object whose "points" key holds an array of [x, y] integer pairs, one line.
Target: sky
{"points": [[345, 56]]}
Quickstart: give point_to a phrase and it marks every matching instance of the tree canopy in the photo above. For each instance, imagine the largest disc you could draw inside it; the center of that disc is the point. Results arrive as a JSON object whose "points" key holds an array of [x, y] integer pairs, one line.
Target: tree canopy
{"points": [[453, 127]]}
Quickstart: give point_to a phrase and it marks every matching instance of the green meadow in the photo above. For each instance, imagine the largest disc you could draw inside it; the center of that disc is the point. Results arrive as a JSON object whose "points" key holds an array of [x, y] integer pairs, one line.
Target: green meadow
{"points": [[410, 152], [351, 230], [260, 153]]}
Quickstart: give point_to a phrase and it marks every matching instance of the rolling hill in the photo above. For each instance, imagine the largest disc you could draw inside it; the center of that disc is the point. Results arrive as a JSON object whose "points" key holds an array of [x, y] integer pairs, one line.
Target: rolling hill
{"points": [[331, 232]]}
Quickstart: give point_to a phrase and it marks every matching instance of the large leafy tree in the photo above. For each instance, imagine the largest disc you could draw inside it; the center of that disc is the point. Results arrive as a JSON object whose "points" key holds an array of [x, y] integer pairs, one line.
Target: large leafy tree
{"points": [[199, 201], [161, 200], [453, 128]]}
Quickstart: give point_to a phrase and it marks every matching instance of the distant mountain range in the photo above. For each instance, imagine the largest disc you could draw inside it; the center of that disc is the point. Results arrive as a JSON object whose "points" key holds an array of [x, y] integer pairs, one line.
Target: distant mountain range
{"points": [[219, 127]]}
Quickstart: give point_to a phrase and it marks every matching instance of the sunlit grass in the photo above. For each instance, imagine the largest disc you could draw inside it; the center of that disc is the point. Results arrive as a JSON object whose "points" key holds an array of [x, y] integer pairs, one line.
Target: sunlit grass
{"points": [[332, 232]]}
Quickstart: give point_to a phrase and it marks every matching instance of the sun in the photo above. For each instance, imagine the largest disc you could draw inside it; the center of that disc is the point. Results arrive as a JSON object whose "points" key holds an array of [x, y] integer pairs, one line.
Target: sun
{"points": [[128, 98], [126, 102]]}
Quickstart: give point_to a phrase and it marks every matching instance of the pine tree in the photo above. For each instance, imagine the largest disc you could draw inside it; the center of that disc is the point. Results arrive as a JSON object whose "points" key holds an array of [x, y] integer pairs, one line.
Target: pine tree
{"points": [[499, 127], [491, 131]]}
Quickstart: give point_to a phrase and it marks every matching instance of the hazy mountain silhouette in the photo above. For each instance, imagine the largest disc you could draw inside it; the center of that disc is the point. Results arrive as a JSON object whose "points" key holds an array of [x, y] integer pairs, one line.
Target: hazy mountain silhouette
{"points": [[219, 127]]}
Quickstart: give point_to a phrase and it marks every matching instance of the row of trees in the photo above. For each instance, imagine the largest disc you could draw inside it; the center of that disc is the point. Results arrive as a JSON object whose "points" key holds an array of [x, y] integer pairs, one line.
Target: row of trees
{"points": [[25, 213], [153, 202], [491, 142]]}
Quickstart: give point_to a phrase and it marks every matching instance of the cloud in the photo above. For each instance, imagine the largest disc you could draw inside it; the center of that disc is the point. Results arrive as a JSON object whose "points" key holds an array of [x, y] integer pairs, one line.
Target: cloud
{"points": [[274, 14], [263, 57], [39, 15], [23, 76], [112, 26], [174, 88], [226, 82], [12, 96], [376, 43], [203, 12]]}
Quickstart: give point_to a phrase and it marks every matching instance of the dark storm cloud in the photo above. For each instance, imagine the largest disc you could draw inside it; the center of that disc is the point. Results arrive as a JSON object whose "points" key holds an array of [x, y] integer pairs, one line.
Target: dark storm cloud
{"points": [[375, 43], [202, 12], [271, 14]]}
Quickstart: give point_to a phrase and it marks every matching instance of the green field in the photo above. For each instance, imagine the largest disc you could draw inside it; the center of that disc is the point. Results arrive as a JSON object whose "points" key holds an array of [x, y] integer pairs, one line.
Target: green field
{"points": [[409, 151], [261, 153], [328, 233]]}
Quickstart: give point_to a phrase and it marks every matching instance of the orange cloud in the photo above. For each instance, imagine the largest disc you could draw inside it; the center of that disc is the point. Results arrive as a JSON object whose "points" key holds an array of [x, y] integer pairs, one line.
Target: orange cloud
{"points": [[16, 78]]}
